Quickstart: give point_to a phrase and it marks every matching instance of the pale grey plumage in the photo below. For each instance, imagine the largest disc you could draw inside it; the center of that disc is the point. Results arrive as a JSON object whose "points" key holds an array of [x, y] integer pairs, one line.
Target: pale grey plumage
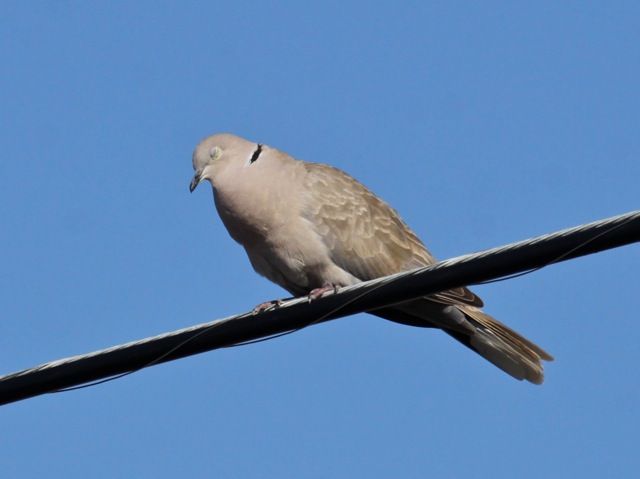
{"points": [[308, 225]]}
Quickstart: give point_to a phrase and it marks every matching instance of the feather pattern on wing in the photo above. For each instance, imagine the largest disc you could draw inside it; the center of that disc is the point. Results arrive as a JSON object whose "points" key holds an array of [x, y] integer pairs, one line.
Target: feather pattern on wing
{"points": [[368, 239], [366, 236]]}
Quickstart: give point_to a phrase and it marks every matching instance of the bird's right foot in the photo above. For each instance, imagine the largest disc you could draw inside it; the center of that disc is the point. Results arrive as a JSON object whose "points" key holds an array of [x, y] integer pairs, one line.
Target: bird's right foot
{"points": [[267, 306]]}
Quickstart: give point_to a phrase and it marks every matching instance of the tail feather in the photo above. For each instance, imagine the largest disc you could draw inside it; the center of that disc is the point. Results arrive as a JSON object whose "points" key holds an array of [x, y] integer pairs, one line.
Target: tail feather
{"points": [[497, 343], [504, 332], [503, 356], [503, 347]]}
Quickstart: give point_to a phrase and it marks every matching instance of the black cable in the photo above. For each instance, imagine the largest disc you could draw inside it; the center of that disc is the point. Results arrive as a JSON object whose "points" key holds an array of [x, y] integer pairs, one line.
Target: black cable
{"points": [[497, 264]]}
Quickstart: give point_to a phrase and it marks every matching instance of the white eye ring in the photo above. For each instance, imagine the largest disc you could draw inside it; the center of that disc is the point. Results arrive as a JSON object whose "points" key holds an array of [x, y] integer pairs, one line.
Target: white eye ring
{"points": [[215, 152]]}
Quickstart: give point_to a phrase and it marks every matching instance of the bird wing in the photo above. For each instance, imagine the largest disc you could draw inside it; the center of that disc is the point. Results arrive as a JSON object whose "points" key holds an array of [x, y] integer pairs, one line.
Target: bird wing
{"points": [[365, 236]]}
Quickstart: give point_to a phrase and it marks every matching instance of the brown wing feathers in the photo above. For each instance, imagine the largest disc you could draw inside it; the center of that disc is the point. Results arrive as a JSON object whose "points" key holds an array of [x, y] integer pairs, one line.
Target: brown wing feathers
{"points": [[368, 239]]}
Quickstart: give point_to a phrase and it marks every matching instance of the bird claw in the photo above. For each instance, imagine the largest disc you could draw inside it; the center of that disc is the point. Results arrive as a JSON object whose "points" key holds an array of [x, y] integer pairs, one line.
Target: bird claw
{"points": [[318, 293], [266, 306]]}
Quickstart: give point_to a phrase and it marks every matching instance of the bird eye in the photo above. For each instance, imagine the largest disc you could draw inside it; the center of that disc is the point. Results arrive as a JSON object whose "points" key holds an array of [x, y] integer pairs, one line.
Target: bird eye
{"points": [[215, 152]]}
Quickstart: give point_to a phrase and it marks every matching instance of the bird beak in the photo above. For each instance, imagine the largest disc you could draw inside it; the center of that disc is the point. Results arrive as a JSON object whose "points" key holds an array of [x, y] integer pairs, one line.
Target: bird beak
{"points": [[195, 181]]}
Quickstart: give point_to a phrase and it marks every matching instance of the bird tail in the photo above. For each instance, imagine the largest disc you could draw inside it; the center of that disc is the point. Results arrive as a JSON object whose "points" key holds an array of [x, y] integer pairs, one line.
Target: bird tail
{"points": [[498, 344], [503, 347]]}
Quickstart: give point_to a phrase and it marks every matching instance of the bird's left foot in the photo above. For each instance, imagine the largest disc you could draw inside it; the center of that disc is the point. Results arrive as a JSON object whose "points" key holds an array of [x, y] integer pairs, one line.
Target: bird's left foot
{"points": [[317, 293]]}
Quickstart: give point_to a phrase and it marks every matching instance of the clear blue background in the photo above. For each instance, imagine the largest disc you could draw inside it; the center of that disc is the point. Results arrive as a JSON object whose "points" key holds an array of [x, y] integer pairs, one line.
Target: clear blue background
{"points": [[481, 122]]}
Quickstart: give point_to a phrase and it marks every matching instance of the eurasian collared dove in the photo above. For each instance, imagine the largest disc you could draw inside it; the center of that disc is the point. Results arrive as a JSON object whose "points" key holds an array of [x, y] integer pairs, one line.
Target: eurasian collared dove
{"points": [[309, 227]]}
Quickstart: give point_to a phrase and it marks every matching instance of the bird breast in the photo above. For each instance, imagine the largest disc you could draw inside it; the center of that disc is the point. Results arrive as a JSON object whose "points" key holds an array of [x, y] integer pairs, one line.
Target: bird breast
{"points": [[254, 209]]}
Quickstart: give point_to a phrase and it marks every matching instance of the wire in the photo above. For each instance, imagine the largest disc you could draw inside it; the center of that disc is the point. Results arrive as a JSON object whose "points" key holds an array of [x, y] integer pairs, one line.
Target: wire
{"points": [[326, 315], [516, 258], [209, 328], [144, 366], [558, 258]]}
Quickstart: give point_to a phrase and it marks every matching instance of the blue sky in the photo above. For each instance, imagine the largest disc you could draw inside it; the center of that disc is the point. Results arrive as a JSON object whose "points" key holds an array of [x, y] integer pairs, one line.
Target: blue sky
{"points": [[481, 122]]}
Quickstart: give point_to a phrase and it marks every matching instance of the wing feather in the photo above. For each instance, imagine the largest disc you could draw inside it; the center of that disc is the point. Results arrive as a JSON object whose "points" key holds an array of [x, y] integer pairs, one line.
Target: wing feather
{"points": [[366, 237]]}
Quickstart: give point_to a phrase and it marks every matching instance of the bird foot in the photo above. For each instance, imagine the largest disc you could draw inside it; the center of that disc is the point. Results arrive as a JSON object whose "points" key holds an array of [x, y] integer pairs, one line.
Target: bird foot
{"points": [[317, 293], [266, 306]]}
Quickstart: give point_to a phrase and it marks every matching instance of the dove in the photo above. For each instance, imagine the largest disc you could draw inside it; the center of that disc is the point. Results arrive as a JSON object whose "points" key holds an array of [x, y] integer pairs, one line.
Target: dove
{"points": [[311, 228]]}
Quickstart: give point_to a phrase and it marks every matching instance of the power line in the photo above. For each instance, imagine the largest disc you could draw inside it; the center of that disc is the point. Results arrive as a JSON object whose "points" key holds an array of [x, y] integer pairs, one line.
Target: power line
{"points": [[295, 314]]}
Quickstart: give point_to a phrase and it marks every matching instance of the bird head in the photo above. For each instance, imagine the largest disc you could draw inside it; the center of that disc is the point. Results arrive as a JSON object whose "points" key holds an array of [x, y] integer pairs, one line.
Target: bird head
{"points": [[218, 152]]}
